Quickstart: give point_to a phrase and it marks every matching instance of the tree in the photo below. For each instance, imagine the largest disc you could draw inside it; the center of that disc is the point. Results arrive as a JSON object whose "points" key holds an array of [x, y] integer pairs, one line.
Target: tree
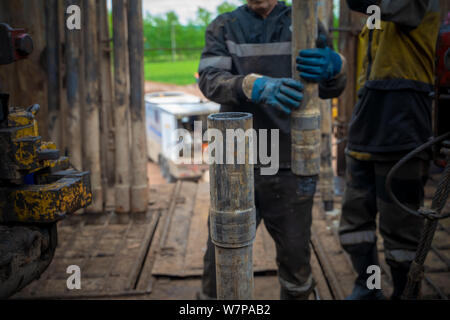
{"points": [[204, 17], [225, 7]]}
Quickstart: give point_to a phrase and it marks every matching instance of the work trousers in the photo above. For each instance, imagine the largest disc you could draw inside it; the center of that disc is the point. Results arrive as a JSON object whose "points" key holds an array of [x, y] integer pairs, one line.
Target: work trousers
{"points": [[284, 201], [366, 195]]}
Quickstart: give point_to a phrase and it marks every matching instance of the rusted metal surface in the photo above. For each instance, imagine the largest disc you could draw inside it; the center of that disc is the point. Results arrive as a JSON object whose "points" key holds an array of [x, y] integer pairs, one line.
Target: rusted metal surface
{"points": [[91, 127], [29, 15], [139, 188], [232, 211], [53, 192], [305, 122], [25, 254]]}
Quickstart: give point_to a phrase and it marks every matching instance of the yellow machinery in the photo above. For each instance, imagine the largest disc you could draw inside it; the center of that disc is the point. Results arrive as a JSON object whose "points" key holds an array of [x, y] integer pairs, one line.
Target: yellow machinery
{"points": [[37, 186]]}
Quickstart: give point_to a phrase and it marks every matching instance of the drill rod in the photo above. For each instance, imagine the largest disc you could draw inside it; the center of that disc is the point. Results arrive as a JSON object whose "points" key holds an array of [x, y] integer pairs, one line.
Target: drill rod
{"points": [[232, 211]]}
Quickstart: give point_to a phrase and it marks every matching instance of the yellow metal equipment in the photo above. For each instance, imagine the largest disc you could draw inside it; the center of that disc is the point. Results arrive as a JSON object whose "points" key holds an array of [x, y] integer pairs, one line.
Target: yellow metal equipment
{"points": [[36, 184]]}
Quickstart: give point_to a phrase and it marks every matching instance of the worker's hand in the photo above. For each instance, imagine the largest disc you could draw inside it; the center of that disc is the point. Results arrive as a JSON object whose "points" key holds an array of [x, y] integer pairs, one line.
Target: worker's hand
{"points": [[319, 64], [283, 94]]}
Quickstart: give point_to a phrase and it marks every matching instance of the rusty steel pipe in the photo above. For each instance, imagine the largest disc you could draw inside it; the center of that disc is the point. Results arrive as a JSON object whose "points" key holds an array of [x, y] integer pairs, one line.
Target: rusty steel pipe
{"points": [[91, 126], [326, 181], [74, 61], [121, 108], [139, 187], [305, 122], [232, 210]]}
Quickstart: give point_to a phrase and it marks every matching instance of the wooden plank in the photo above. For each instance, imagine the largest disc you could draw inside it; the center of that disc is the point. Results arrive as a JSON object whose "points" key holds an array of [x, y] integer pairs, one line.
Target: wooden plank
{"points": [[264, 256], [146, 280], [174, 242], [143, 251], [321, 282], [110, 257], [198, 233]]}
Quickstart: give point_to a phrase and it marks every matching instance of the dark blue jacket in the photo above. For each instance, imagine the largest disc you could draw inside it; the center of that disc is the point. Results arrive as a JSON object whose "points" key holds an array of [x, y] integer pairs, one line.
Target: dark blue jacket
{"points": [[242, 42]]}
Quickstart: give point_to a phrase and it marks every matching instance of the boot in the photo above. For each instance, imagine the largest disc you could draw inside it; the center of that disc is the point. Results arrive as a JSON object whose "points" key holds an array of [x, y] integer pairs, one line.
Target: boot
{"points": [[360, 263], [399, 279], [285, 295]]}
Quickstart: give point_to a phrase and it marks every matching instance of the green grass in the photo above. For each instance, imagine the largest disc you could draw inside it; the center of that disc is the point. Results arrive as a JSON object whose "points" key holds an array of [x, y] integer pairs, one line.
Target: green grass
{"points": [[178, 72]]}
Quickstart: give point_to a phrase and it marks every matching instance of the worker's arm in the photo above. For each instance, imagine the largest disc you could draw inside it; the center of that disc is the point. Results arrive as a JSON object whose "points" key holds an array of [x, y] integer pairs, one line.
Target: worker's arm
{"points": [[219, 84], [216, 81], [405, 13]]}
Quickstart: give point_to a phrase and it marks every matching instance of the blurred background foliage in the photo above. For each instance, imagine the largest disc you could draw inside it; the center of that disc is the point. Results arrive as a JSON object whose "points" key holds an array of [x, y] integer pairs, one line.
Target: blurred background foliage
{"points": [[173, 49]]}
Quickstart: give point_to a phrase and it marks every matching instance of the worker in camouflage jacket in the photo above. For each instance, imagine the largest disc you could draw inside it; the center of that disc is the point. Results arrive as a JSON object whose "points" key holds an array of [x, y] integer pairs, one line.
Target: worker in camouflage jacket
{"points": [[392, 117], [246, 67]]}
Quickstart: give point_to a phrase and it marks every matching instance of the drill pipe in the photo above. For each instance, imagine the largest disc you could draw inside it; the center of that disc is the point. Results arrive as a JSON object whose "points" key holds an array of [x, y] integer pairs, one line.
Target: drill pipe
{"points": [[232, 211], [305, 122]]}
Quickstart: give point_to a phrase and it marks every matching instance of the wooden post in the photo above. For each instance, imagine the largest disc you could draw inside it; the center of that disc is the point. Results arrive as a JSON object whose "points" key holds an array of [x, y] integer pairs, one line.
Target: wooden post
{"points": [[106, 114], [53, 70], [92, 106], [73, 49], [305, 123], [139, 189], [121, 108]]}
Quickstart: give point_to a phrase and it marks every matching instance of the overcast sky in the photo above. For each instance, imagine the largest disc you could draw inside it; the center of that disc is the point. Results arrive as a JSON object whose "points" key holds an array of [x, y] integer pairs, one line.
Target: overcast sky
{"points": [[185, 9]]}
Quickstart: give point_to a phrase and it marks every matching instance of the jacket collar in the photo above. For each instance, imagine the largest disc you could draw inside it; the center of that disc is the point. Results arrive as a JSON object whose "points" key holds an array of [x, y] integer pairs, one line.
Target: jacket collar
{"points": [[280, 7]]}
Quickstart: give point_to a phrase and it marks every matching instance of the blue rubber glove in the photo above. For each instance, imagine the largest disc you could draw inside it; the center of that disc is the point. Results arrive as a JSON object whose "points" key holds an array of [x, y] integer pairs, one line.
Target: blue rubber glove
{"points": [[319, 64], [283, 94]]}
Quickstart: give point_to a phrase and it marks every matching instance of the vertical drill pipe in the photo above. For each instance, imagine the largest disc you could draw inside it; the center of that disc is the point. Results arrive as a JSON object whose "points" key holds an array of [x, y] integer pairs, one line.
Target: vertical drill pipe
{"points": [[325, 14], [326, 165], [107, 151], [232, 212], [139, 189], [52, 33], [92, 106], [305, 122], [121, 108], [73, 64]]}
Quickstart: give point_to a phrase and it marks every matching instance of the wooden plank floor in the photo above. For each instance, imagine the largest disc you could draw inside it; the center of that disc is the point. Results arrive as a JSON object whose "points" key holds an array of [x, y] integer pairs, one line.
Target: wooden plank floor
{"points": [[159, 255], [184, 243]]}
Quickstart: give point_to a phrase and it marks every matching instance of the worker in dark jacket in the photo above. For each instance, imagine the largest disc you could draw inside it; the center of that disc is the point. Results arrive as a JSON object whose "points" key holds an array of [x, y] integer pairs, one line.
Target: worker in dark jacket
{"points": [[246, 67], [391, 117]]}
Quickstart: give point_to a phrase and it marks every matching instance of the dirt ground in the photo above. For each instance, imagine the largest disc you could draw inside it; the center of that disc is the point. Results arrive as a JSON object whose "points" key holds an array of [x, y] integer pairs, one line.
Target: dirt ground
{"points": [[193, 89]]}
